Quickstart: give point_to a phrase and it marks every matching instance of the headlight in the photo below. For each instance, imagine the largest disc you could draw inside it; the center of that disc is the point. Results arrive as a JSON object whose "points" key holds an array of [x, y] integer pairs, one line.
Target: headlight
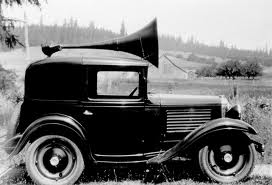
{"points": [[234, 112]]}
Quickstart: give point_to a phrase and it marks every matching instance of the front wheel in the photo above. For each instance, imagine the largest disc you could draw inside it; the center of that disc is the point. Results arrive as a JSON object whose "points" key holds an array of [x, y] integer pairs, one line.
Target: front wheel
{"points": [[54, 159], [227, 162]]}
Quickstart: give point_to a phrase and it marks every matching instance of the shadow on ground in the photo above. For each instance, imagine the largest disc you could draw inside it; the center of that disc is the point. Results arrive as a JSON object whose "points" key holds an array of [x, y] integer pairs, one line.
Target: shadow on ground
{"points": [[142, 173], [145, 174]]}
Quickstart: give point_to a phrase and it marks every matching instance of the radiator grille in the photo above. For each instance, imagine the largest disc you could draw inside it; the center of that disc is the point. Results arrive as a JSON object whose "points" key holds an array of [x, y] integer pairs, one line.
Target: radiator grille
{"points": [[186, 120]]}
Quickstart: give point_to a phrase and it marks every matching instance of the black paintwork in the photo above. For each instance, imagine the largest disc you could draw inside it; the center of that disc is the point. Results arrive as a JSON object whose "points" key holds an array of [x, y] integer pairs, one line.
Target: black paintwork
{"points": [[63, 92]]}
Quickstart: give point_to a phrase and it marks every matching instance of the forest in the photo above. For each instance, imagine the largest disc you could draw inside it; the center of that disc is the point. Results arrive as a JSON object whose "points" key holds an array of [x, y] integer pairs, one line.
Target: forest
{"points": [[70, 32]]}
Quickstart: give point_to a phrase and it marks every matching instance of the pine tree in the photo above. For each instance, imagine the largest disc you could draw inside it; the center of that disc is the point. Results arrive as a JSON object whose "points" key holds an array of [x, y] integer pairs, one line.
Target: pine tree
{"points": [[7, 37], [123, 31]]}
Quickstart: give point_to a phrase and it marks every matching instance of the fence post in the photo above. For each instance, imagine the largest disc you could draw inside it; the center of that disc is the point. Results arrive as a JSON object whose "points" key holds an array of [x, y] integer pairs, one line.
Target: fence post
{"points": [[235, 92]]}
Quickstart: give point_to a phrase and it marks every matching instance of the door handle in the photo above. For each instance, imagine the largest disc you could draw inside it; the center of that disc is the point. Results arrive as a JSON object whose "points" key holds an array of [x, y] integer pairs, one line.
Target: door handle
{"points": [[87, 113]]}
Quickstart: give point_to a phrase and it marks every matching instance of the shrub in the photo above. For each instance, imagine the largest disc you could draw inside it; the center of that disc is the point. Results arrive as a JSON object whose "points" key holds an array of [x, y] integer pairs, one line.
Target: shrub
{"points": [[6, 109], [7, 79], [9, 94], [258, 113], [207, 71]]}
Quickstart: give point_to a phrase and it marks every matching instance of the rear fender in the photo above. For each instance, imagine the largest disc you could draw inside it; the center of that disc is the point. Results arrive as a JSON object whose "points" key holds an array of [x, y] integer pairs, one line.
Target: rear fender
{"points": [[214, 126], [58, 124]]}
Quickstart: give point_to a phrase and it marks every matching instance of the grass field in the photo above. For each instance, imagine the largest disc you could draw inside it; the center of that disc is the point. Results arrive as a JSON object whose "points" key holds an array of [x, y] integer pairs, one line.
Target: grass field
{"points": [[131, 176]]}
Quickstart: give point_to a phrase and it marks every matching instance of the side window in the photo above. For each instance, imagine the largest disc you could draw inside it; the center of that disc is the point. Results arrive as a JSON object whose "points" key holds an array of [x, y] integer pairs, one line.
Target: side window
{"points": [[55, 81], [118, 83]]}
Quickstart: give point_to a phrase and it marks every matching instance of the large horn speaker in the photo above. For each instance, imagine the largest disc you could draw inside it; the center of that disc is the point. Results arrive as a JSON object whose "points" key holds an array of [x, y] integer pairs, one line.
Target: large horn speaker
{"points": [[143, 43]]}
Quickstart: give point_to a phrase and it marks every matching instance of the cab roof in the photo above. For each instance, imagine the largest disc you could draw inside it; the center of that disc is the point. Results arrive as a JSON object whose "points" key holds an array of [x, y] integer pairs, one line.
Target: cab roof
{"points": [[110, 61]]}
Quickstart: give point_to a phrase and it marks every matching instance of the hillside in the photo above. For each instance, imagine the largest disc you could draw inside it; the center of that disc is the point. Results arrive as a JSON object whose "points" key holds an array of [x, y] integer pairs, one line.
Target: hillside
{"points": [[173, 69]]}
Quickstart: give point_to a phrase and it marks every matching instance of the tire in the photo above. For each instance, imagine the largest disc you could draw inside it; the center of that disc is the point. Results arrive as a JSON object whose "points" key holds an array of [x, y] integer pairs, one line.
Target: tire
{"points": [[228, 161], [54, 159]]}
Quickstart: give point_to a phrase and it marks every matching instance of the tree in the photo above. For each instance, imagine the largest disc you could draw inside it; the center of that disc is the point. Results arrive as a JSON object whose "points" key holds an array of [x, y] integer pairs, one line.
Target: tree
{"points": [[7, 37], [123, 31], [221, 44], [230, 69], [252, 69], [69, 32]]}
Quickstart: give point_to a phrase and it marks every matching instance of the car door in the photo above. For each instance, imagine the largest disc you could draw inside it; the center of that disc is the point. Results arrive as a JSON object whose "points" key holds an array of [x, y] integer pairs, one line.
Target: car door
{"points": [[114, 111]]}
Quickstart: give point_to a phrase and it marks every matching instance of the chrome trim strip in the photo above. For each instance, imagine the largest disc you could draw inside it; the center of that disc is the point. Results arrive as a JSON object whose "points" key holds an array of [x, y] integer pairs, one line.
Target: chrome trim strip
{"points": [[193, 121], [183, 125], [129, 155], [171, 141], [122, 162], [179, 131], [180, 127], [188, 117]]}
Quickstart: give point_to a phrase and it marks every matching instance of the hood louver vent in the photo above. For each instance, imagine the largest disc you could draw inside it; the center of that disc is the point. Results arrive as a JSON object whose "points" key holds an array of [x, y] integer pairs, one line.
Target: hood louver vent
{"points": [[186, 120]]}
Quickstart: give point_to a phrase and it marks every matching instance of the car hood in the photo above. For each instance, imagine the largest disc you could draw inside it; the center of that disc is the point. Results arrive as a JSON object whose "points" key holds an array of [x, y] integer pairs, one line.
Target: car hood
{"points": [[180, 100]]}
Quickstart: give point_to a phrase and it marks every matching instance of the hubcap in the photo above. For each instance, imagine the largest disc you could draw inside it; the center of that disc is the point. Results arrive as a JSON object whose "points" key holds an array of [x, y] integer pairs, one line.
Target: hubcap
{"points": [[227, 157], [54, 161]]}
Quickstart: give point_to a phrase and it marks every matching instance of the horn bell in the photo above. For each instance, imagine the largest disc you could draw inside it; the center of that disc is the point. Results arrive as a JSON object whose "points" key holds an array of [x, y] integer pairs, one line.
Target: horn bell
{"points": [[143, 43]]}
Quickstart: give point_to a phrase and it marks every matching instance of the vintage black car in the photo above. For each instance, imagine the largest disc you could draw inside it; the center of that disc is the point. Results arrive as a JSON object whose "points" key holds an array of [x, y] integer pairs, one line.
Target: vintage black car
{"points": [[80, 111]]}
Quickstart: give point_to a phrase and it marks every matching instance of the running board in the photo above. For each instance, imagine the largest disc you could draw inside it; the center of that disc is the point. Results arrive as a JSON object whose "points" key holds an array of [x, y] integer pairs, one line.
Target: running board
{"points": [[132, 158], [125, 159]]}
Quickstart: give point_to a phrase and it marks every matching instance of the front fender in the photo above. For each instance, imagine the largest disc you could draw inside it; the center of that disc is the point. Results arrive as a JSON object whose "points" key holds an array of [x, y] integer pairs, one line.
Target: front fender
{"points": [[59, 122], [202, 131]]}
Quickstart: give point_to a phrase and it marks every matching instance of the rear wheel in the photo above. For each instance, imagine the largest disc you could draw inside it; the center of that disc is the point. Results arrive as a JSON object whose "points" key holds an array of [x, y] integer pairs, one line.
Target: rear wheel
{"points": [[54, 159], [228, 161]]}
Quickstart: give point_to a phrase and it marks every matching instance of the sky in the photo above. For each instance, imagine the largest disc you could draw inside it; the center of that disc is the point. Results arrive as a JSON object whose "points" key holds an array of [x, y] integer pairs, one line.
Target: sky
{"points": [[246, 24]]}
